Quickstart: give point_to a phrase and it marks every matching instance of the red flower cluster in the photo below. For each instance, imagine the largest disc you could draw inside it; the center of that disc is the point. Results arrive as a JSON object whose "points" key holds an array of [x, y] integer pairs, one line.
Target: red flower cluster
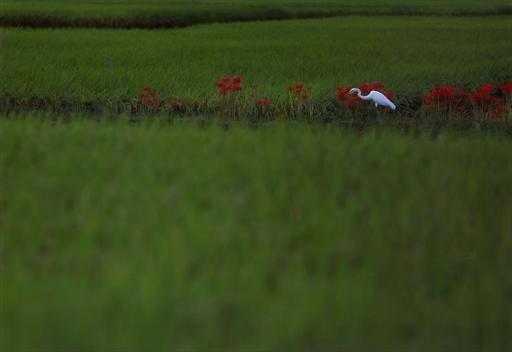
{"points": [[341, 93], [353, 101], [443, 99], [456, 101], [229, 84], [488, 99], [173, 104], [483, 97], [485, 101], [264, 102], [299, 90], [149, 97], [507, 89], [498, 111], [366, 88]]}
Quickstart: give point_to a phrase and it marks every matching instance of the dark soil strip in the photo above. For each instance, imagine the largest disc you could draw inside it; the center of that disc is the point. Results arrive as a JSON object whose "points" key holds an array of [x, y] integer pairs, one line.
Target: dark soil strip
{"points": [[167, 19], [408, 118]]}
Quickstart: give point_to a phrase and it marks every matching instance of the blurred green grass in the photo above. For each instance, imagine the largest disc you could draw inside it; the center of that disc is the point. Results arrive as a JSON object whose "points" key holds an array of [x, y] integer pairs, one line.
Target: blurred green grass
{"points": [[408, 54], [177, 13], [158, 236]]}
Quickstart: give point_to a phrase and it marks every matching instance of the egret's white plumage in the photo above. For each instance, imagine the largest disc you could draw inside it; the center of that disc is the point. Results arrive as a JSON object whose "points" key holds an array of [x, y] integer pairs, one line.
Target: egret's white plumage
{"points": [[377, 97]]}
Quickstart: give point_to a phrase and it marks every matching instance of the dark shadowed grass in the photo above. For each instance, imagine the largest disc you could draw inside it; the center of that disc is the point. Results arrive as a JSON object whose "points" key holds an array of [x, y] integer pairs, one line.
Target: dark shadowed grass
{"points": [[172, 13], [158, 236], [408, 54]]}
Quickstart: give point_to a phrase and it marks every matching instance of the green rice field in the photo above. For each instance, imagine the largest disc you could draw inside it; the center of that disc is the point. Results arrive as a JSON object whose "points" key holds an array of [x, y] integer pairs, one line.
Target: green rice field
{"points": [[259, 220], [179, 13], [173, 237], [408, 54]]}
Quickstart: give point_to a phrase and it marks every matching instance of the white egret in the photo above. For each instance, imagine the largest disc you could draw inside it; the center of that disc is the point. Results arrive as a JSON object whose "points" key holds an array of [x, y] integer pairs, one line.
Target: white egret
{"points": [[376, 97]]}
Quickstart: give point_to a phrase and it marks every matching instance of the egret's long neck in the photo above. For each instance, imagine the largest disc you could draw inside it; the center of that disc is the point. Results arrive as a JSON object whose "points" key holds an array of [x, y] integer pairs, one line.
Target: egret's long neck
{"points": [[361, 96]]}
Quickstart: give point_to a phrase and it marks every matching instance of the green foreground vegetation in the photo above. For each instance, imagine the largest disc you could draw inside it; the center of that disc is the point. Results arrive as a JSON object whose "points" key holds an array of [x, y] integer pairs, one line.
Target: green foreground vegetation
{"points": [[408, 54], [181, 232], [173, 13], [157, 236]]}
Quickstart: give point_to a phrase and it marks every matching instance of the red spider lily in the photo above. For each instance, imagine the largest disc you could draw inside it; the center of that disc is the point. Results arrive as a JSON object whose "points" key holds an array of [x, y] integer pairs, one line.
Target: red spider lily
{"points": [[451, 99], [264, 102], [487, 88], [149, 97], [296, 88], [173, 104], [366, 88], [483, 98], [342, 96], [341, 93], [300, 91], [389, 95], [443, 99], [498, 111], [442, 93], [507, 89], [229, 84]]}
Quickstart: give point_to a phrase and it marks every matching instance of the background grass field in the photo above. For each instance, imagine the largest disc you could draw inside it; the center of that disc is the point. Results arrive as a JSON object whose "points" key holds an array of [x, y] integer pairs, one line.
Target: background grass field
{"points": [[409, 54], [172, 13], [158, 236]]}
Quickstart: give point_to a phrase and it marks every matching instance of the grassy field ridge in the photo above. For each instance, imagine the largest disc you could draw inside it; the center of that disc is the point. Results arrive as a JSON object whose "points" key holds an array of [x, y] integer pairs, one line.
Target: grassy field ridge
{"points": [[172, 14], [104, 68]]}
